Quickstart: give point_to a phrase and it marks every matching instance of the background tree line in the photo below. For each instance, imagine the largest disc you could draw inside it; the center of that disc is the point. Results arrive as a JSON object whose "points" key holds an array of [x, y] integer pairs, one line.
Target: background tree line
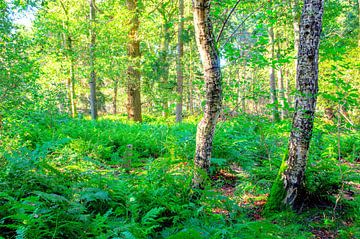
{"points": [[134, 52]]}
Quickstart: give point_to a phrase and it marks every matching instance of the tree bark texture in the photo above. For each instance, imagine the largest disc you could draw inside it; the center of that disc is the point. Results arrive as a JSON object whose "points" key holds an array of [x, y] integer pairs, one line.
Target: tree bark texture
{"points": [[212, 76], [273, 91], [179, 66], [286, 189], [133, 73], [92, 83]]}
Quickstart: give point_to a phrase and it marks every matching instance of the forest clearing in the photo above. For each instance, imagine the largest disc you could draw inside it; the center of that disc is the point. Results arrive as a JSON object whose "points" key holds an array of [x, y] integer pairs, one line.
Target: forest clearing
{"points": [[179, 119]]}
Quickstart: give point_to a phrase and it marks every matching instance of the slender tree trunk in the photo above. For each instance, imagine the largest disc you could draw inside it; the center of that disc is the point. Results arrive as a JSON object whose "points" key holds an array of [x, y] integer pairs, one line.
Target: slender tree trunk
{"points": [[255, 98], [115, 97], [70, 52], [165, 69], [133, 73], [282, 92], [93, 103], [288, 187], [179, 66], [242, 94], [296, 21], [212, 76], [72, 79], [287, 86], [273, 92], [190, 85], [281, 84]]}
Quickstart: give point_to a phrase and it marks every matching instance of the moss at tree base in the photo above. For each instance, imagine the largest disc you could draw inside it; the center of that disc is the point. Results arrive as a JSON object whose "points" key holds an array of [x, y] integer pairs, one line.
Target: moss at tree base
{"points": [[275, 200]]}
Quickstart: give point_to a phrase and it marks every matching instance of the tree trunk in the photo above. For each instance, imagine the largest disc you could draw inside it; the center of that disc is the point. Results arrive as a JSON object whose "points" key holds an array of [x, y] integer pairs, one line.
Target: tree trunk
{"points": [[115, 97], [242, 89], [133, 73], [70, 54], [273, 92], [72, 79], [165, 68], [287, 188], [296, 22], [179, 66], [282, 93], [212, 76], [190, 83], [281, 84], [93, 104]]}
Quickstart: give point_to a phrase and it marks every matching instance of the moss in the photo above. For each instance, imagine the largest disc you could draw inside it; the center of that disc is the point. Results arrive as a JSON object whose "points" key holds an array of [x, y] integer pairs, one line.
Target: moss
{"points": [[277, 193]]}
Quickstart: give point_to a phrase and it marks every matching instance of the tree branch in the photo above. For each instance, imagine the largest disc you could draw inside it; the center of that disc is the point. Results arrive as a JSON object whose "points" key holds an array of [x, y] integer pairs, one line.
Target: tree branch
{"points": [[226, 20], [246, 18]]}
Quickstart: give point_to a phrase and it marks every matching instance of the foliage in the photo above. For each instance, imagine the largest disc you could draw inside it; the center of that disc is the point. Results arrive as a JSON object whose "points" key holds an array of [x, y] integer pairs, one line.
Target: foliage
{"points": [[63, 177], [77, 184]]}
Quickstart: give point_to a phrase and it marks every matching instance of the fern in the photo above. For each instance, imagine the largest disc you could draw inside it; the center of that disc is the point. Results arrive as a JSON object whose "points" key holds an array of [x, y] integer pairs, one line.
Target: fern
{"points": [[93, 194], [150, 216], [126, 235], [21, 233]]}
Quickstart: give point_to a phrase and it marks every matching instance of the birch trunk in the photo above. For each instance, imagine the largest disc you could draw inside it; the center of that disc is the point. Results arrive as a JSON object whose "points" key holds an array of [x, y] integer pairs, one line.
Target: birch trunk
{"points": [[179, 66], [287, 189], [133, 73], [212, 76], [92, 83]]}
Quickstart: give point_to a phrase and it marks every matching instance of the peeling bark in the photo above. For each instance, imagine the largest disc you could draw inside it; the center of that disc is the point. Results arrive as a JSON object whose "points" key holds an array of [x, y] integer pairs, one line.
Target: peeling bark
{"points": [[212, 76], [291, 176]]}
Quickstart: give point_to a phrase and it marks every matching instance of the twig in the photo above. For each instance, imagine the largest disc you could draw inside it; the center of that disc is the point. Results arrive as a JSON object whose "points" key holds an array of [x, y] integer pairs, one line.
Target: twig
{"points": [[348, 120]]}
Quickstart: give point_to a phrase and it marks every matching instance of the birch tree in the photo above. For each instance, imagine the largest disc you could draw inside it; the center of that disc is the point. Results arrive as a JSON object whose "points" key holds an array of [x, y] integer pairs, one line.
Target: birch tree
{"points": [[289, 184], [212, 75]]}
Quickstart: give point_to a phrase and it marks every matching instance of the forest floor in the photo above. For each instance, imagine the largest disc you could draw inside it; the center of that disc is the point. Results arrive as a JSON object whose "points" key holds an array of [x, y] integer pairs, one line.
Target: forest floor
{"points": [[70, 178]]}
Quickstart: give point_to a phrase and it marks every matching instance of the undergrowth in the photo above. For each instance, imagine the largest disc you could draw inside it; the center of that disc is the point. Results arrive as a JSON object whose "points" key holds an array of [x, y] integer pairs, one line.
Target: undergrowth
{"points": [[74, 178]]}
